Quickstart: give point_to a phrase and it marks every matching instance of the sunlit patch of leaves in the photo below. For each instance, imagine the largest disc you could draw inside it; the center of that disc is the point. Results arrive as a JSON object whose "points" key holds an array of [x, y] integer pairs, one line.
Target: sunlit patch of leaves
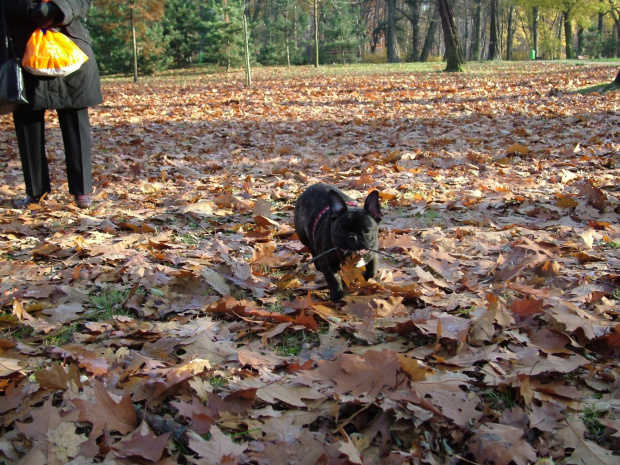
{"points": [[496, 304]]}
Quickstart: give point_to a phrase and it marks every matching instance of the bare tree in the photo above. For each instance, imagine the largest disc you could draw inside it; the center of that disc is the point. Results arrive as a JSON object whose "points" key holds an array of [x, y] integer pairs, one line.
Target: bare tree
{"points": [[494, 49], [535, 30], [475, 44], [454, 51], [511, 32], [430, 35], [392, 42]]}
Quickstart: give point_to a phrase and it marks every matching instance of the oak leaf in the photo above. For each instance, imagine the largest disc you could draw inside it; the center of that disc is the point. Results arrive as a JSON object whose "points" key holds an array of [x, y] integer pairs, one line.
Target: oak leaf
{"points": [[501, 445], [583, 451], [367, 375], [217, 450], [142, 444], [107, 414]]}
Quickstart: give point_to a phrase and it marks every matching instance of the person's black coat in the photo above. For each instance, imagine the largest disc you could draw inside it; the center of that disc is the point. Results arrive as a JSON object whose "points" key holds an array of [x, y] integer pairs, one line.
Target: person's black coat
{"points": [[80, 89]]}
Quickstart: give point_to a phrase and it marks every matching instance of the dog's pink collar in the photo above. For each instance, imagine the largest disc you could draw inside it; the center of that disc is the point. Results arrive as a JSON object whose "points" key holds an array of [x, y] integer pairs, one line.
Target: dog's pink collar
{"points": [[320, 215]]}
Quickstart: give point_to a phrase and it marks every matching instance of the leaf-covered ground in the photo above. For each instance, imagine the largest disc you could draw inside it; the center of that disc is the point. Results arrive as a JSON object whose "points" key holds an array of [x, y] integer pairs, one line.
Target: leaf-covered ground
{"points": [[173, 322]]}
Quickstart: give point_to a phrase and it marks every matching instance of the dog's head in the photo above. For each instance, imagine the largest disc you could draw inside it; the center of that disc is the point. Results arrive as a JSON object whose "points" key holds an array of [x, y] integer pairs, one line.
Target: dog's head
{"points": [[354, 228]]}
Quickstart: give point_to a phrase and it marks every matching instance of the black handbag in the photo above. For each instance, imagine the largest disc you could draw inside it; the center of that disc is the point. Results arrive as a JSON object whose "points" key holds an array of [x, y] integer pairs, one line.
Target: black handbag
{"points": [[12, 87]]}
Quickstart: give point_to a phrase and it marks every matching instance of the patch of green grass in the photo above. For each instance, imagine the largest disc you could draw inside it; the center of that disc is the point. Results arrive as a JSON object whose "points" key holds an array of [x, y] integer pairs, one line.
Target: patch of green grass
{"points": [[293, 342], [218, 382], [466, 311], [590, 417], [600, 88], [500, 399], [275, 306], [185, 238], [614, 244], [23, 332], [274, 272], [429, 217], [63, 336], [109, 303]]}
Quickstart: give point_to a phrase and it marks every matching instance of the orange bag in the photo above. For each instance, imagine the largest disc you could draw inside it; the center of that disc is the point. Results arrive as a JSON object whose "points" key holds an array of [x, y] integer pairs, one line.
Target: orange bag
{"points": [[51, 53]]}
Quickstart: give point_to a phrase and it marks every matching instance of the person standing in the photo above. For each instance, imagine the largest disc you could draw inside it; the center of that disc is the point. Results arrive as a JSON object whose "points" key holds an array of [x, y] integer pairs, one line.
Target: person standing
{"points": [[70, 96]]}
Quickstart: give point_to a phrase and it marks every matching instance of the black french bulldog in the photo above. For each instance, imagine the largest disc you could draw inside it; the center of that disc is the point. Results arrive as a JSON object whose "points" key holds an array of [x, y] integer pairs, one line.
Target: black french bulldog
{"points": [[326, 218]]}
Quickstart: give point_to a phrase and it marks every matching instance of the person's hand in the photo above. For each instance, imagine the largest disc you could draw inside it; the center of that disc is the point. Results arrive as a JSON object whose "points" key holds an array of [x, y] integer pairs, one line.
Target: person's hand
{"points": [[44, 14]]}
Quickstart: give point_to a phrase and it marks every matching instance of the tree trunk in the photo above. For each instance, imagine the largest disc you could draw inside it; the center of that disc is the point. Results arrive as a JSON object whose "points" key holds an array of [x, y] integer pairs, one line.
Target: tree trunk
{"points": [[134, 44], [466, 41], [535, 31], [617, 80], [392, 55], [430, 36], [454, 52], [475, 44], [616, 31], [599, 29], [414, 19], [248, 73], [494, 52], [316, 33], [580, 41], [511, 33], [568, 35]]}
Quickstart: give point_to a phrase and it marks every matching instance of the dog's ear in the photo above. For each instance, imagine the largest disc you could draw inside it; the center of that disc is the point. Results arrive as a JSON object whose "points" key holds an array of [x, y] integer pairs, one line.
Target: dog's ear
{"points": [[372, 207], [337, 205]]}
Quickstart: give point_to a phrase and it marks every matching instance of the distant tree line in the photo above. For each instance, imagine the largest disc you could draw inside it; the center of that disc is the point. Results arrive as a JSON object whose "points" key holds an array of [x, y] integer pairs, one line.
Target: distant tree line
{"points": [[176, 33]]}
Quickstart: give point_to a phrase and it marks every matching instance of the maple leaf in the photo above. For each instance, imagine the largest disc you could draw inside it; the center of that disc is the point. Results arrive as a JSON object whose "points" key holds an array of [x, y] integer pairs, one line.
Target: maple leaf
{"points": [[107, 414], [501, 445]]}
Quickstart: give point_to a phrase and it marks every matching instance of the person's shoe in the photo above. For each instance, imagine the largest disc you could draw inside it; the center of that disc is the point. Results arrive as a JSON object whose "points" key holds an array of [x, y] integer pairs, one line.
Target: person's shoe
{"points": [[82, 201], [28, 200]]}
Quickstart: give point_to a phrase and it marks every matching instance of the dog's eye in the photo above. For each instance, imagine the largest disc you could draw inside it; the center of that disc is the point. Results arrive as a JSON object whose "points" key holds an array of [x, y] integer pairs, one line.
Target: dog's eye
{"points": [[367, 231]]}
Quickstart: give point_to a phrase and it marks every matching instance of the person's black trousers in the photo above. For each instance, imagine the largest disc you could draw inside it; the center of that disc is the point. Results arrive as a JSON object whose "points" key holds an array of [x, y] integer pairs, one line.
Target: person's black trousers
{"points": [[75, 128]]}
